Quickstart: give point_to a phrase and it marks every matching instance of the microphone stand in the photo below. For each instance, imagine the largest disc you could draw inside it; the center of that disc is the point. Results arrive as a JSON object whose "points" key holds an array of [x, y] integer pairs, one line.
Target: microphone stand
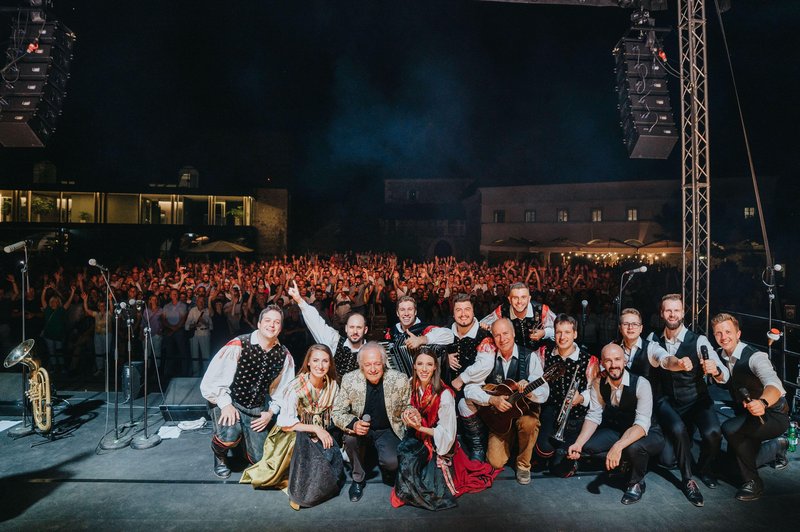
{"points": [[622, 284], [26, 429], [769, 282], [145, 441], [120, 440]]}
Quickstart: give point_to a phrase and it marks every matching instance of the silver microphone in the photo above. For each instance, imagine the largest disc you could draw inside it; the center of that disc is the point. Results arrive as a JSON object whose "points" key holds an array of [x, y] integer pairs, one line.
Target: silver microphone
{"points": [[366, 418], [14, 247], [640, 269], [93, 262]]}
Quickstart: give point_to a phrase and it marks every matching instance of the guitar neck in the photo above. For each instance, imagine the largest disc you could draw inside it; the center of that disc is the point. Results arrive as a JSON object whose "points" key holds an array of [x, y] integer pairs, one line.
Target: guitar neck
{"points": [[525, 391]]}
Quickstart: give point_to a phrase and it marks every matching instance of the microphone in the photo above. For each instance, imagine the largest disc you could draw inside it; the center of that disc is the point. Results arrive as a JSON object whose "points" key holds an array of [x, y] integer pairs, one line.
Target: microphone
{"points": [[584, 304], [704, 356], [366, 418], [93, 262], [778, 267], [748, 399], [136, 303], [14, 247], [640, 269]]}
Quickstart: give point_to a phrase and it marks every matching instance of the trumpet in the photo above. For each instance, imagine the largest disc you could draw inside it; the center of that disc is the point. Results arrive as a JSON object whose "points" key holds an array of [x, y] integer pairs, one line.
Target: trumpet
{"points": [[566, 407], [38, 384]]}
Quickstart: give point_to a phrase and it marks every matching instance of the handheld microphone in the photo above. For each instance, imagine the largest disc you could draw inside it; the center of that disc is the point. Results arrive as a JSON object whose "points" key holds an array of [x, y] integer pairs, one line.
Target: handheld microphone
{"points": [[14, 247], [748, 399], [366, 418], [704, 356], [93, 262], [584, 304], [640, 269]]}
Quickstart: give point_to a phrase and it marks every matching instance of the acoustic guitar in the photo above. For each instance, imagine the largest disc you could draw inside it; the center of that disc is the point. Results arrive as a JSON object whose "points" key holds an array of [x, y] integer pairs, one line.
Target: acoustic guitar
{"points": [[501, 422]]}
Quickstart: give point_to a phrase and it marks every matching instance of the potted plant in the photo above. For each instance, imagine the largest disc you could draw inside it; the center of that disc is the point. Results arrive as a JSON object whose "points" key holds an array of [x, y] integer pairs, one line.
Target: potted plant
{"points": [[42, 205], [84, 217], [237, 213], [6, 209]]}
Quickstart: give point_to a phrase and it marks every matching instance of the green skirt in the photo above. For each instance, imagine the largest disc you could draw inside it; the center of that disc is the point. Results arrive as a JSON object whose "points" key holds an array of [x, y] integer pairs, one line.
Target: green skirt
{"points": [[272, 471]]}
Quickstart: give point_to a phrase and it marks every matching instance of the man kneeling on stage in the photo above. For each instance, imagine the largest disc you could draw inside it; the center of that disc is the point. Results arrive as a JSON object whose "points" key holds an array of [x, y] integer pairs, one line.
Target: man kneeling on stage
{"points": [[237, 387], [618, 422], [522, 366], [369, 409]]}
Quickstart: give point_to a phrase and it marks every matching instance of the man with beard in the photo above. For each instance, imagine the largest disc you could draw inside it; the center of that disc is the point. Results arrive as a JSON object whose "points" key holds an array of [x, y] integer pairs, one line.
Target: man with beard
{"points": [[410, 333], [344, 348], [686, 402], [618, 422], [532, 321], [467, 365], [369, 409], [237, 386]]}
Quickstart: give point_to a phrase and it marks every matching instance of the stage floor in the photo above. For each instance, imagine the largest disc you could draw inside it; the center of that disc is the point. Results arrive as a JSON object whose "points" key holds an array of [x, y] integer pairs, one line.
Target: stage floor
{"points": [[70, 484]]}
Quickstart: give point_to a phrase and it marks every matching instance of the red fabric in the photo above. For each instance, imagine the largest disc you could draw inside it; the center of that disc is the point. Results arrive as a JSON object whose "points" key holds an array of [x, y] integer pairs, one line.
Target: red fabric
{"points": [[472, 476], [395, 500], [428, 407], [235, 342]]}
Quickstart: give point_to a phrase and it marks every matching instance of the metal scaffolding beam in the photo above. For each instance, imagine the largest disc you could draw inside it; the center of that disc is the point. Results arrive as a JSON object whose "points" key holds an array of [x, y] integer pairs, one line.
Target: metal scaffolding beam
{"points": [[696, 182]]}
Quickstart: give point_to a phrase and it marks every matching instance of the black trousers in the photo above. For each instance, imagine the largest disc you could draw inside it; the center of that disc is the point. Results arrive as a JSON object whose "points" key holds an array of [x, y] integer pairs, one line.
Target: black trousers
{"points": [[637, 454], [385, 442], [550, 448], [678, 424], [745, 434]]}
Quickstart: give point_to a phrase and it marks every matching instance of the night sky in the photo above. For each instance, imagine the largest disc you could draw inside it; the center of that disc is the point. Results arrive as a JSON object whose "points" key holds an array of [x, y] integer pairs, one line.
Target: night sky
{"points": [[330, 97]]}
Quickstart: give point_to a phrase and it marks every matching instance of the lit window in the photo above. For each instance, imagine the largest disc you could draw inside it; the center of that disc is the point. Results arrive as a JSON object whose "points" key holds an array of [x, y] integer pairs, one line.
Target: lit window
{"points": [[499, 216], [530, 216], [749, 213], [562, 215], [633, 215], [597, 215]]}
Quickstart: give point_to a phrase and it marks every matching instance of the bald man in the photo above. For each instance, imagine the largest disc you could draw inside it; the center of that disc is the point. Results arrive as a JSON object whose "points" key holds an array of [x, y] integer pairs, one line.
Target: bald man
{"points": [[344, 348], [619, 422]]}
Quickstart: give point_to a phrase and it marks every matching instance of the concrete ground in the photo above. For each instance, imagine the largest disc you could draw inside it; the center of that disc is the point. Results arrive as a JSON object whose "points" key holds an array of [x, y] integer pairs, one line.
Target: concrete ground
{"points": [[71, 484]]}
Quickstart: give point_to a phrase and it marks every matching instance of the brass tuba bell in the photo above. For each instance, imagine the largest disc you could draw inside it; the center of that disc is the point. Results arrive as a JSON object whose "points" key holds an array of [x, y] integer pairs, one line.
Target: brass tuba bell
{"points": [[38, 384]]}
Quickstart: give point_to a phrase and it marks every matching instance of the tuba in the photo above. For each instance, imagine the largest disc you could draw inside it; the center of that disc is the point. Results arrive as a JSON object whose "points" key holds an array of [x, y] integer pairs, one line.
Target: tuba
{"points": [[38, 384]]}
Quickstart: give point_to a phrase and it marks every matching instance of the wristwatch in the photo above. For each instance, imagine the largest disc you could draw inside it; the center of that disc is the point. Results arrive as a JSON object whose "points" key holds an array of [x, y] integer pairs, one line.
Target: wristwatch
{"points": [[766, 403]]}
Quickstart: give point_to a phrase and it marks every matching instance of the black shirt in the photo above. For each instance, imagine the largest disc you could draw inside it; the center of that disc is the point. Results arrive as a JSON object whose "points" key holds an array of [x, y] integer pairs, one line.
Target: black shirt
{"points": [[375, 406]]}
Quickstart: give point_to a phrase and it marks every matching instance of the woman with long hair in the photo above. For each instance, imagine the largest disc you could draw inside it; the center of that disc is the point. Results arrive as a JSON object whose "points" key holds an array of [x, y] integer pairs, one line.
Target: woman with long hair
{"points": [[433, 468], [300, 452]]}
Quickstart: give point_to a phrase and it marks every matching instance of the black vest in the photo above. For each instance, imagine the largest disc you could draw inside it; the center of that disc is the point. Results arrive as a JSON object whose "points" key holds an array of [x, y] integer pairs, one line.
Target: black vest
{"points": [[559, 387], [641, 366], [684, 387], [523, 327], [743, 377], [467, 350], [255, 372], [345, 359], [517, 368], [620, 418]]}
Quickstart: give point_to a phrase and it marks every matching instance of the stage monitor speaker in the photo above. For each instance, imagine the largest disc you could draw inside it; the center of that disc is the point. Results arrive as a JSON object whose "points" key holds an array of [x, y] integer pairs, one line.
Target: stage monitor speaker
{"points": [[132, 381], [183, 401], [11, 394]]}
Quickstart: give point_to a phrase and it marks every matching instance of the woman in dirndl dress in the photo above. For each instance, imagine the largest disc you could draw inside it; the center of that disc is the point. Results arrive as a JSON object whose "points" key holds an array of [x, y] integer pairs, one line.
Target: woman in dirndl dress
{"points": [[315, 468], [433, 469]]}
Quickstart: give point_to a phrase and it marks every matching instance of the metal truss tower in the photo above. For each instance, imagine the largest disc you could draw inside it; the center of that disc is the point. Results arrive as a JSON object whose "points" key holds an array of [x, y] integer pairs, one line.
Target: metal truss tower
{"points": [[696, 177]]}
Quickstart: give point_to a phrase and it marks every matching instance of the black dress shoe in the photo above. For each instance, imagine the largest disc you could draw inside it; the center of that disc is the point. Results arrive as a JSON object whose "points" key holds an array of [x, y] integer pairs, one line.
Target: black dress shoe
{"points": [[634, 493], [750, 491], [692, 493], [709, 480], [781, 461], [357, 490], [221, 468]]}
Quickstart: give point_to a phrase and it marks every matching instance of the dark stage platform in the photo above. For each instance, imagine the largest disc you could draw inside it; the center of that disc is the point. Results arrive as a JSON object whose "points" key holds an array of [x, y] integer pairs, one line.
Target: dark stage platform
{"points": [[69, 484]]}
